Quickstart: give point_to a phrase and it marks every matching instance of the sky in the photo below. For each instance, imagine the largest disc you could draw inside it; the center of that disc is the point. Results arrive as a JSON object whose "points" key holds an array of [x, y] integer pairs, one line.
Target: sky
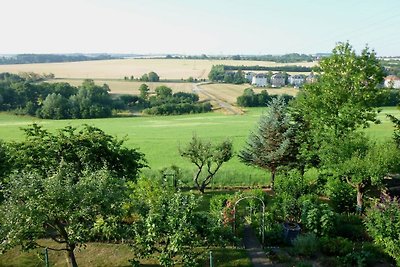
{"points": [[213, 27]]}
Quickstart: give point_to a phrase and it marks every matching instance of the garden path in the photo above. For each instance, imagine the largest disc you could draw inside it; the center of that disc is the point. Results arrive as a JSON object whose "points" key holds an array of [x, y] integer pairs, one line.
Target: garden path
{"points": [[254, 249]]}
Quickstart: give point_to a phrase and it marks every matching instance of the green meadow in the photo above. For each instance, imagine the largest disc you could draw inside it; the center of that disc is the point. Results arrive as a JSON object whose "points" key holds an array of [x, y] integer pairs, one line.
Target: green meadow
{"points": [[160, 137]]}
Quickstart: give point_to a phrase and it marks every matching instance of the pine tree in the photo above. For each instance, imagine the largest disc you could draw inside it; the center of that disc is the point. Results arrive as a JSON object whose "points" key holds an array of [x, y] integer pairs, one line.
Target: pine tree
{"points": [[273, 144]]}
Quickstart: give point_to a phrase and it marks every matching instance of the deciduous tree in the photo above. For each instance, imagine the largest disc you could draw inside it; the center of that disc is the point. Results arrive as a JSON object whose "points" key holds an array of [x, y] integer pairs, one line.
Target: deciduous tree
{"points": [[207, 158], [59, 206]]}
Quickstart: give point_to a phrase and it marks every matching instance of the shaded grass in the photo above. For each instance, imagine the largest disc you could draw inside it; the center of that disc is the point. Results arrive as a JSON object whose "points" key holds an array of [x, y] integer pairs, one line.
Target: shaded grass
{"points": [[115, 255]]}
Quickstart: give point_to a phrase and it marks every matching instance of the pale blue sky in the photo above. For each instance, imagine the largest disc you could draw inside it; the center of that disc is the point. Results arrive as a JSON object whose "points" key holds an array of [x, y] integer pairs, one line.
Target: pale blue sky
{"points": [[196, 27]]}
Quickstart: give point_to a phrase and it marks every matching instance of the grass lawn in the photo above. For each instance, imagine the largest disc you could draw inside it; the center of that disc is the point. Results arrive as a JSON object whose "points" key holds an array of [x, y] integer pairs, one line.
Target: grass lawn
{"points": [[113, 255], [159, 138]]}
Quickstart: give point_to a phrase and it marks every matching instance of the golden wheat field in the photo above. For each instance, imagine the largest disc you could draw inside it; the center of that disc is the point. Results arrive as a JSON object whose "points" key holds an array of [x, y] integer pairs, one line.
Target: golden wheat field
{"points": [[130, 87], [119, 68]]}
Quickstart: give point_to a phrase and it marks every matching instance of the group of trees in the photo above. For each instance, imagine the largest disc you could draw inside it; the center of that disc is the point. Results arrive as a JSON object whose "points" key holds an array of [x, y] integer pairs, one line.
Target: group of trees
{"points": [[54, 100], [164, 102], [64, 101], [251, 99], [150, 77]]}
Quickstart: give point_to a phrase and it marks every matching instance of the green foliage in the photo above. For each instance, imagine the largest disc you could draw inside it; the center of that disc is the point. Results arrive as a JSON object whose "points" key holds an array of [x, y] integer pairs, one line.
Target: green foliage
{"points": [[163, 91], [153, 77], [383, 225], [396, 133], [356, 258], [166, 103], [207, 158], [350, 226], [91, 101], [263, 99], [217, 204], [55, 106], [88, 148], [318, 218], [306, 244], [144, 90], [342, 196], [55, 100], [217, 73], [335, 246], [166, 225], [70, 211], [343, 98], [359, 161], [272, 145]]}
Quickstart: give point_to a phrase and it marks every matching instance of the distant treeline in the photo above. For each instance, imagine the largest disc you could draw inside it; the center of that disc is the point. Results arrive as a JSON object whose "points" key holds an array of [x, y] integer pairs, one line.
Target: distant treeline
{"points": [[50, 58], [64, 101], [224, 73], [287, 58], [294, 68]]}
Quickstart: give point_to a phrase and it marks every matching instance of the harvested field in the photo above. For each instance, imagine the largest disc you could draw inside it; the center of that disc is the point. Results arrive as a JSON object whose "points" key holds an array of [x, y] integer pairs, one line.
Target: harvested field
{"points": [[131, 87], [119, 68]]}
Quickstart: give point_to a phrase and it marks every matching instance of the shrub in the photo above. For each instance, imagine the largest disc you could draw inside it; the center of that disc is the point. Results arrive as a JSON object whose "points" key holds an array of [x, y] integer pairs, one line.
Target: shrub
{"points": [[306, 245], [350, 226], [217, 204], [342, 195], [356, 258], [318, 218], [273, 234], [383, 225], [336, 246]]}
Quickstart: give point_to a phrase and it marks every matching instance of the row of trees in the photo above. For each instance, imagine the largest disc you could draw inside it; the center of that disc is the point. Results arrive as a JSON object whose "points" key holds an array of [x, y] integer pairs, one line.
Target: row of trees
{"points": [[234, 74], [287, 58], [251, 99]]}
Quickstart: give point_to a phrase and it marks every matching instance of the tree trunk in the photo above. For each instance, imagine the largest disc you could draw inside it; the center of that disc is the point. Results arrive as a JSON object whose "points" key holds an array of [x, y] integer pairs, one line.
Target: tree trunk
{"points": [[202, 188], [360, 194], [273, 179], [71, 257]]}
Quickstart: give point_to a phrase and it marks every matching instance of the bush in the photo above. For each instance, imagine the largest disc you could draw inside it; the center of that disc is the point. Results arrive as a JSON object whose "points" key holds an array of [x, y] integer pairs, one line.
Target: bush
{"points": [[318, 218], [273, 234], [336, 246], [383, 225], [217, 204], [356, 258], [306, 245], [342, 195], [350, 226]]}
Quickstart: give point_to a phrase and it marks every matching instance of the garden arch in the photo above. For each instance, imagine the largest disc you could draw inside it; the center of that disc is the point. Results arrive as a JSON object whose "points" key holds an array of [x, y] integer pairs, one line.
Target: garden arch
{"points": [[262, 230]]}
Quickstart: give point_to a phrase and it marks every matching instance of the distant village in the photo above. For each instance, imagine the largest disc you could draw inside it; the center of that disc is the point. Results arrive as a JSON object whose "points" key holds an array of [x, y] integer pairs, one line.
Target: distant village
{"points": [[297, 80]]}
